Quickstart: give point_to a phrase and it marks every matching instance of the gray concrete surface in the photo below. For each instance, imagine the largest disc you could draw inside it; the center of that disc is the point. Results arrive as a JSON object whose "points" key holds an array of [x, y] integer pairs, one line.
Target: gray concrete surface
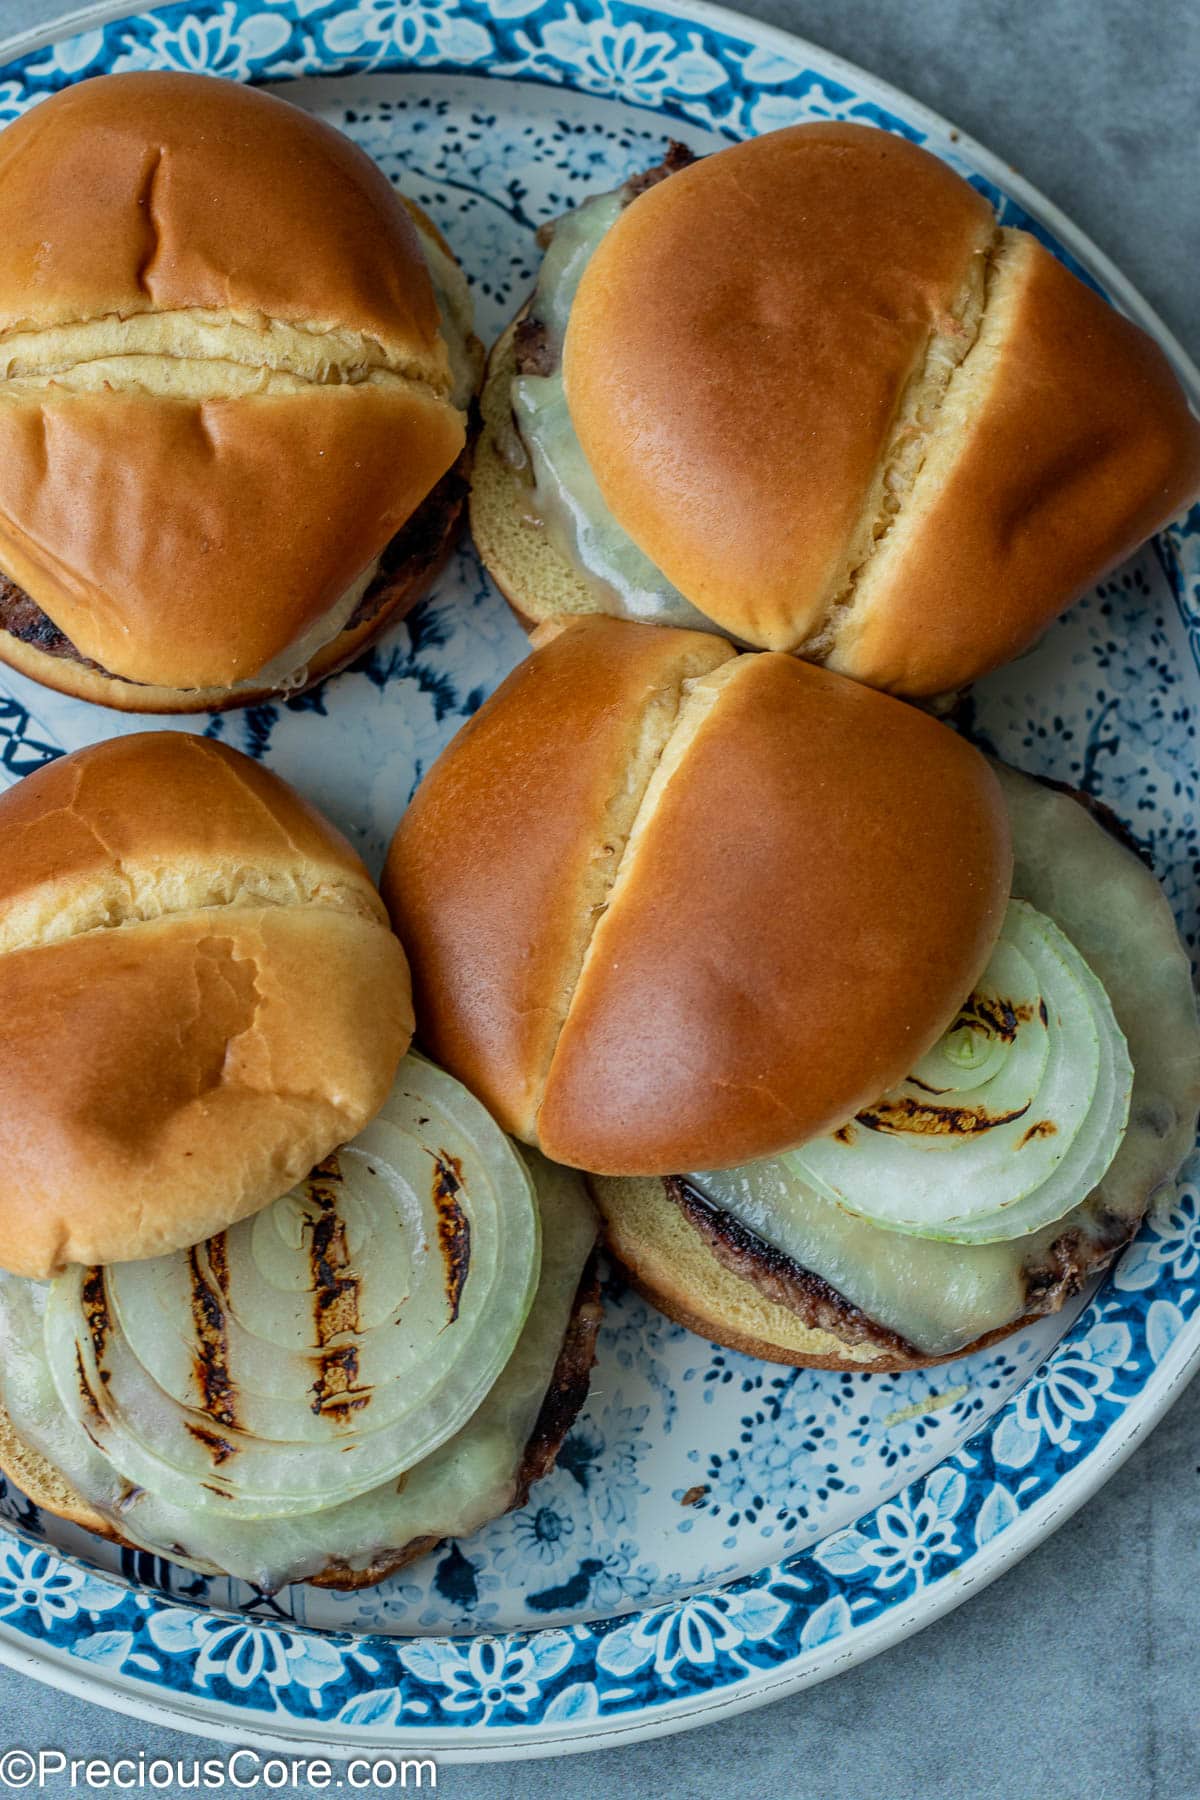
{"points": [[1075, 1676]]}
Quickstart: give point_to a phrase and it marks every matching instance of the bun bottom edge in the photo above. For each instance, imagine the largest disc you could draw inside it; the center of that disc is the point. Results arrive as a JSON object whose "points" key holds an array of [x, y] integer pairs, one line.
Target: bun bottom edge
{"points": [[717, 1331], [536, 581], [667, 1261]]}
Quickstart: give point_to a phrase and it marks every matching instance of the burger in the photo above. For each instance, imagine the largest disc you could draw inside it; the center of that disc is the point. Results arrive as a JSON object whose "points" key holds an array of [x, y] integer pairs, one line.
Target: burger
{"points": [[234, 372], [806, 392], [388, 1355], [277, 1298], [872, 1049]]}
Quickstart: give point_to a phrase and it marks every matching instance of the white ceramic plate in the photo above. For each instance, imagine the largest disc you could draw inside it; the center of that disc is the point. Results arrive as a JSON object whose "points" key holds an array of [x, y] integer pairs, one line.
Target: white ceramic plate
{"points": [[718, 1531]]}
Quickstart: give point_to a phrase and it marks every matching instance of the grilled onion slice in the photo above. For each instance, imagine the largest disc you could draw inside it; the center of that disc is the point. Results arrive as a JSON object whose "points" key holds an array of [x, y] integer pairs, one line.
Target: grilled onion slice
{"points": [[469, 1479], [325, 1345], [1009, 1121]]}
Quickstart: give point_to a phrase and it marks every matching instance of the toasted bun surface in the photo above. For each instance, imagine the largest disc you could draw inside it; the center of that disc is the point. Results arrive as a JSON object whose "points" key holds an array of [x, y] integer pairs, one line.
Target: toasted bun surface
{"points": [[844, 414], [702, 1267], [1062, 443], [669, 907], [784, 1315], [670, 1262], [216, 321], [512, 843], [177, 168], [410, 562], [199, 999]]}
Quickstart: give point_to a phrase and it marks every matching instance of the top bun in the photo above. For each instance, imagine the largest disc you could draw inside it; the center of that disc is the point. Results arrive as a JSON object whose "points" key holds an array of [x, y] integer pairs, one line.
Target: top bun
{"points": [[845, 414], [200, 997], [218, 326], [671, 908]]}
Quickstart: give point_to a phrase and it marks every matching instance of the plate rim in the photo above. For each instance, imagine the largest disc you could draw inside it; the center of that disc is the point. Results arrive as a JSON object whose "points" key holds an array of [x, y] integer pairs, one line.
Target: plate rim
{"points": [[1163, 1384], [721, 18], [481, 1744]]}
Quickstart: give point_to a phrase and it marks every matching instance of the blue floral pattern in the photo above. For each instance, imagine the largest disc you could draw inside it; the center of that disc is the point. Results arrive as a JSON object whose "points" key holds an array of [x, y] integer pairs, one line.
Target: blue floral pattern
{"points": [[714, 1523]]}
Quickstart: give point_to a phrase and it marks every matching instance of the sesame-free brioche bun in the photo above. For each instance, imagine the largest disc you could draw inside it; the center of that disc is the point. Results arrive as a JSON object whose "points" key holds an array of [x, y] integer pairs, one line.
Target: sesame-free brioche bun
{"points": [[696, 1265], [846, 415], [200, 997], [703, 1267], [532, 573], [224, 389], [669, 907]]}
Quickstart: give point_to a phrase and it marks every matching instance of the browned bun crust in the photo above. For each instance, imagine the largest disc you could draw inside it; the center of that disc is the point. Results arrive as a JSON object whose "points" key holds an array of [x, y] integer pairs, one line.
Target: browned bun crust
{"points": [[1066, 443], [669, 907], [199, 998], [737, 350], [216, 320], [716, 1279], [153, 192], [41, 1482], [294, 493], [511, 840], [408, 567], [845, 415]]}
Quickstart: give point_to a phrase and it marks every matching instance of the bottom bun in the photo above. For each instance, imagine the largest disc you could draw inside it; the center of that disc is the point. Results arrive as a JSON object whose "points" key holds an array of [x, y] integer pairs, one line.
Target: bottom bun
{"points": [[768, 1307], [47, 1488], [703, 1268], [41, 1482], [408, 566], [536, 580]]}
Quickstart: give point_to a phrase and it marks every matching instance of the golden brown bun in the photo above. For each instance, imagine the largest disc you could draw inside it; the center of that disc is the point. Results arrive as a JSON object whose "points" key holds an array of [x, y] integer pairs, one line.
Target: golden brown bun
{"points": [[48, 1488], [1064, 443], [512, 841], [293, 494], [161, 192], [216, 321], [405, 574], [673, 908], [737, 348], [199, 999], [779, 352], [802, 1322]]}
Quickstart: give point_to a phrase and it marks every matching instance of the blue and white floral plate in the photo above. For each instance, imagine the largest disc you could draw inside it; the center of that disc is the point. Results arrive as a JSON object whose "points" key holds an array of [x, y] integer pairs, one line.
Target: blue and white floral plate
{"points": [[718, 1531]]}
